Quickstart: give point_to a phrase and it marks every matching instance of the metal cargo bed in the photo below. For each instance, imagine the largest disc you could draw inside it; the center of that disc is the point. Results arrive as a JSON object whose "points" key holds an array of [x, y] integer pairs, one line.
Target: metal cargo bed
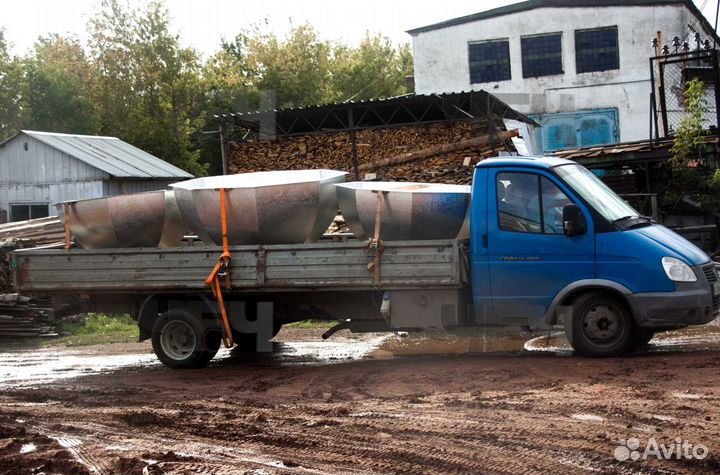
{"points": [[256, 268]]}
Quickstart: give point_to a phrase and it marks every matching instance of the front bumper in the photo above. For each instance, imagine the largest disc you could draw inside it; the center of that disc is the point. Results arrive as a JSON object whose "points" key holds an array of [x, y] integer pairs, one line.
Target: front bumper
{"points": [[692, 303]]}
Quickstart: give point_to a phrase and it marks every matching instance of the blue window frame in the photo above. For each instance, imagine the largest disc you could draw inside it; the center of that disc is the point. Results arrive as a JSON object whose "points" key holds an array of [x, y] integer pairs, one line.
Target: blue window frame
{"points": [[541, 55], [596, 49], [489, 61]]}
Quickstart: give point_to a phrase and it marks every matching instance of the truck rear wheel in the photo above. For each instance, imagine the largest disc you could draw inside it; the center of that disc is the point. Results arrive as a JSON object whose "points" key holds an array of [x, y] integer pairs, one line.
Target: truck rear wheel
{"points": [[180, 340], [601, 325]]}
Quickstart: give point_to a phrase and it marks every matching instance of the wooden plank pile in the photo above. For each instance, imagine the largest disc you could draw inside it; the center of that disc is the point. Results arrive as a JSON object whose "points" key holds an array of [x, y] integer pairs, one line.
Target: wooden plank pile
{"points": [[41, 231], [439, 158], [23, 317]]}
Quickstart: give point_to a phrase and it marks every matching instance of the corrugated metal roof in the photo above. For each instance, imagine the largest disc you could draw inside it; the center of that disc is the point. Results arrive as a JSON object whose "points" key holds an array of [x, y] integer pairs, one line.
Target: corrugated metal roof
{"points": [[111, 155], [334, 116]]}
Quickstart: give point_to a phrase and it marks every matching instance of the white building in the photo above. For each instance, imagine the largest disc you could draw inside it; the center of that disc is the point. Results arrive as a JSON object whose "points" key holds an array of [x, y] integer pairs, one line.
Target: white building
{"points": [[40, 169], [580, 68]]}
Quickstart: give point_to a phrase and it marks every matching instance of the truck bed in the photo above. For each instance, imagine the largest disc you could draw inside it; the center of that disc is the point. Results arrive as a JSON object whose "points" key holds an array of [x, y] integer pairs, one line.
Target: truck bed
{"points": [[263, 268]]}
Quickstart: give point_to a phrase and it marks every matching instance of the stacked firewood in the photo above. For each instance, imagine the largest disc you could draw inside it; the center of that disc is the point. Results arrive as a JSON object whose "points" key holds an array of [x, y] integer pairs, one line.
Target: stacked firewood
{"points": [[374, 146]]}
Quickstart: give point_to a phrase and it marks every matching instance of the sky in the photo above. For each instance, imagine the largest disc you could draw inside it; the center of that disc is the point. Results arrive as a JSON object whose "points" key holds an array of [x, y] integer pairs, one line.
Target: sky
{"points": [[202, 23]]}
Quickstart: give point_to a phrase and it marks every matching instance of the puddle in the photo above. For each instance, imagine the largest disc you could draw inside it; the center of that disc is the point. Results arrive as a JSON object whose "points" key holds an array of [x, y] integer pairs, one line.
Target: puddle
{"points": [[661, 417], [306, 353], [27, 448], [587, 417], [31, 367], [680, 395], [706, 337], [35, 367]]}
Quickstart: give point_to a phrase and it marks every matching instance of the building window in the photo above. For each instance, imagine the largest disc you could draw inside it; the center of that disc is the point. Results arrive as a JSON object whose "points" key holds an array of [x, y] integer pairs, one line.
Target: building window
{"points": [[489, 61], [596, 50], [541, 55], [25, 211]]}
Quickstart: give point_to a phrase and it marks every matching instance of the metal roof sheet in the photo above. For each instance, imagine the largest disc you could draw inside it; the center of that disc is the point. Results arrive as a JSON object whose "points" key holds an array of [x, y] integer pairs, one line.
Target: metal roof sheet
{"points": [[111, 155], [334, 116]]}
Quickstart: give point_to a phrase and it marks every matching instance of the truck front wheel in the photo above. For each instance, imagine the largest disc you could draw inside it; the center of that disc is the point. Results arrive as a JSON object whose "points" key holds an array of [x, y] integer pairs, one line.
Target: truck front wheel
{"points": [[180, 340], [601, 325]]}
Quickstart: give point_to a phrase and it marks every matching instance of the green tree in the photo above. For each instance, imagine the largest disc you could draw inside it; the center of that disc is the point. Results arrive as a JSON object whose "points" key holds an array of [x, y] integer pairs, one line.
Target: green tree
{"points": [[690, 131], [59, 87], [11, 86], [149, 86], [110, 47], [374, 69]]}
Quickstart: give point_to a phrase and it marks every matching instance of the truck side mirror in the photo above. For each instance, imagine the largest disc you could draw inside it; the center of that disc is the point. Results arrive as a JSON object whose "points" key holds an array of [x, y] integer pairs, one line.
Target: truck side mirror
{"points": [[574, 222]]}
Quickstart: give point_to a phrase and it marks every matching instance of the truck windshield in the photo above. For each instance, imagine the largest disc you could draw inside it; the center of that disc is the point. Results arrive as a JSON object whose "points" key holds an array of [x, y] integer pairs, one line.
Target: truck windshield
{"points": [[596, 193]]}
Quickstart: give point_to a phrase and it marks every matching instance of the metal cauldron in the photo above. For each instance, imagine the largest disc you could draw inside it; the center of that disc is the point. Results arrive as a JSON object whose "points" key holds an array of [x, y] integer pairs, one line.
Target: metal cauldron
{"points": [[150, 219], [276, 207], [409, 211]]}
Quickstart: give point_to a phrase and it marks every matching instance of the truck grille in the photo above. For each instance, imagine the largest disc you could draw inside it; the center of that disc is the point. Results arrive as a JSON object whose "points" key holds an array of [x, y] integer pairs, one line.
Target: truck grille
{"points": [[709, 271]]}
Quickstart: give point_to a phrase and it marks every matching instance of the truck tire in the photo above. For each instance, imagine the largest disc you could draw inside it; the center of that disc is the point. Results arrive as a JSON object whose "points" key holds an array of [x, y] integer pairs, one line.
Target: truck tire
{"points": [[181, 341], [601, 325]]}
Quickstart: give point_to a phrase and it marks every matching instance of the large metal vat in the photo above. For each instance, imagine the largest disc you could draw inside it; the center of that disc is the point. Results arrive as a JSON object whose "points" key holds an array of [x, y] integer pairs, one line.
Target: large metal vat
{"points": [[278, 207], [150, 219], [409, 211]]}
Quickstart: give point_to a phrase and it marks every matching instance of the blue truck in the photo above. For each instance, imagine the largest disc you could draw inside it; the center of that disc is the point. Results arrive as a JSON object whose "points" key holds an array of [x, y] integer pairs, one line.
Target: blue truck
{"points": [[550, 245]]}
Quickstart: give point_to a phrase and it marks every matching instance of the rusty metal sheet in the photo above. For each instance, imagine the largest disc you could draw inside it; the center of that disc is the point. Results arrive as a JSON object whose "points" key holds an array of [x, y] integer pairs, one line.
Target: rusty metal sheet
{"points": [[278, 207], [410, 211], [149, 219]]}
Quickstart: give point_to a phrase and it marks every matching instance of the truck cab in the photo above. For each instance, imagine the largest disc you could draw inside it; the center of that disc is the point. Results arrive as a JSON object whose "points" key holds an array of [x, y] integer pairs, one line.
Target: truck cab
{"points": [[552, 244]]}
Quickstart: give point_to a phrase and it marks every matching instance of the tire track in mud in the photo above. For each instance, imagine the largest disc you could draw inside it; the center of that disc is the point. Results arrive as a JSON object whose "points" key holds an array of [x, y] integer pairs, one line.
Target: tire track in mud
{"points": [[456, 415]]}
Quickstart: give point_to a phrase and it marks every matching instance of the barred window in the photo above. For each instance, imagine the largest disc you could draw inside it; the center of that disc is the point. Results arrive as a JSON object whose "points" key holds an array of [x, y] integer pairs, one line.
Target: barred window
{"points": [[489, 61], [541, 55], [596, 50]]}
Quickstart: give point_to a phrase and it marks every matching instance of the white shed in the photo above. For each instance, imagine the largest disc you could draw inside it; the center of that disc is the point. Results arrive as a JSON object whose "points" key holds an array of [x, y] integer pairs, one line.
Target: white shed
{"points": [[40, 169]]}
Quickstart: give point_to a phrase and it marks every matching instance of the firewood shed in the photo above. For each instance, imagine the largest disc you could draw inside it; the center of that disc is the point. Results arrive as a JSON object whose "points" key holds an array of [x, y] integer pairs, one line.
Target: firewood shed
{"points": [[429, 138]]}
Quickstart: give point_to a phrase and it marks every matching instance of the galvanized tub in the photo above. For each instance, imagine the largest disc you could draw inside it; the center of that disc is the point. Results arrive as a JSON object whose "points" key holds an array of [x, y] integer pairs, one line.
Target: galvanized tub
{"points": [[409, 211], [150, 219], [277, 207]]}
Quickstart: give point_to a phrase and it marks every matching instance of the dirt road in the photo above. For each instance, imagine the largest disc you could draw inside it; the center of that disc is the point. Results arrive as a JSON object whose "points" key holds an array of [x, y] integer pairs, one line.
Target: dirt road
{"points": [[327, 408]]}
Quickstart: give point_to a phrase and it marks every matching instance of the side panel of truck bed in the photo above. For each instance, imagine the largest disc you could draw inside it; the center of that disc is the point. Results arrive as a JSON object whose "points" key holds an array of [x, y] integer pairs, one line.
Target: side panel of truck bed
{"points": [[322, 266]]}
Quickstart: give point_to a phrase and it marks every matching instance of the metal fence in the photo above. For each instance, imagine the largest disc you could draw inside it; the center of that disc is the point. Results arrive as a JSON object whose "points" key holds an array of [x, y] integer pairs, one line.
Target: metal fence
{"points": [[669, 74]]}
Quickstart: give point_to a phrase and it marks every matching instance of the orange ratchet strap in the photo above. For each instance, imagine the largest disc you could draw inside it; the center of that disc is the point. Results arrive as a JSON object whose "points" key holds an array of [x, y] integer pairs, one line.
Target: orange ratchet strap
{"points": [[377, 243], [222, 269], [68, 231]]}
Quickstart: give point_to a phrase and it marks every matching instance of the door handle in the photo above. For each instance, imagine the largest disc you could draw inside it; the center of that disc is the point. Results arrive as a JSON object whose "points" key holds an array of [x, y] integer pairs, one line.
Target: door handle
{"points": [[485, 240]]}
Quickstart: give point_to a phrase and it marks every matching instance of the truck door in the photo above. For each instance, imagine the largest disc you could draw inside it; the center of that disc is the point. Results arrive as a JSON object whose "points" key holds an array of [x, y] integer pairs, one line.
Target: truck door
{"points": [[529, 257]]}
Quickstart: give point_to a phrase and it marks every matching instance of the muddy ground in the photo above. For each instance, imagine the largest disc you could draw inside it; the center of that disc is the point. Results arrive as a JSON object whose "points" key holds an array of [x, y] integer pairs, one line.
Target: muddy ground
{"points": [[371, 404]]}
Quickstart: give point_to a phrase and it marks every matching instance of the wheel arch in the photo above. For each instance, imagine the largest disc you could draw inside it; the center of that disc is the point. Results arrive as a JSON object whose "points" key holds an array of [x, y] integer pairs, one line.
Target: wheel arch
{"points": [[575, 289]]}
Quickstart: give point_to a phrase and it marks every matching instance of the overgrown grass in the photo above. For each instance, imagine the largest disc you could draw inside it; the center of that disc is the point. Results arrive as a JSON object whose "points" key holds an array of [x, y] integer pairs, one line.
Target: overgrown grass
{"points": [[97, 328], [311, 324]]}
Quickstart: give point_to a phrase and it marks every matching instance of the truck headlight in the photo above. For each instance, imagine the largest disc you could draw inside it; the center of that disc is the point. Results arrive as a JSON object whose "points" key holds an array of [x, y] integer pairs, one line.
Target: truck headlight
{"points": [[677, 270]]}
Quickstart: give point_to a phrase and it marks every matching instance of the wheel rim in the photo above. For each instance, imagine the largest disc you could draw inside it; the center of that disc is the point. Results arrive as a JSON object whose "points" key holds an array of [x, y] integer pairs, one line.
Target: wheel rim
{"points": [[603, 324], [177, 340]]}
